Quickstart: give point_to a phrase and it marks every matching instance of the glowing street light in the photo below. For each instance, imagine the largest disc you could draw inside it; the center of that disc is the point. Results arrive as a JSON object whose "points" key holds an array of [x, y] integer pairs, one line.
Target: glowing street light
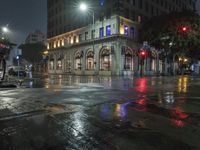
{"points": [[83, 7], [5, 30]]}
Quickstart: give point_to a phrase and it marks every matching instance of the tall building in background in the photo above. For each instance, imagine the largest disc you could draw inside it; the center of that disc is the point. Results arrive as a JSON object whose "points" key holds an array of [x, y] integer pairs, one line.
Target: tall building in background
{"points": [[35, 37], [110, 45], [64, 16]]}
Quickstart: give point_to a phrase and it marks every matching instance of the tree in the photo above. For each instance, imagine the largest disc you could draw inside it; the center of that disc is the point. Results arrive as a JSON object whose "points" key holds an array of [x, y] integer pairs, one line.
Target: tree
{"points": [[177, 31], [32, 52]]}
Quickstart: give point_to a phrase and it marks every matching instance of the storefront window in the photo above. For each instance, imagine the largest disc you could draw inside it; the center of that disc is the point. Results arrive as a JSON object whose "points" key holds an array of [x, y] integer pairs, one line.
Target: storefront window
{"points": [[78, 61], [105, 59], [59, 64], [90, 60], [51, 64], [128, 65], [153, 64]]}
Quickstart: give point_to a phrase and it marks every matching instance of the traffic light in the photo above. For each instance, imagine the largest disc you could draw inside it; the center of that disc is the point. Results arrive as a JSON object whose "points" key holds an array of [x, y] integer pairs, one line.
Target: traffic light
{"points": [[142, 53], [184, 28]]}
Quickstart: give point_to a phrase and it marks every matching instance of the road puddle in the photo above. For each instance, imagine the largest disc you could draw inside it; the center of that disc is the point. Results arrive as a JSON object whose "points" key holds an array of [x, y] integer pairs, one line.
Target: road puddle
{"points": [[55, 107]]}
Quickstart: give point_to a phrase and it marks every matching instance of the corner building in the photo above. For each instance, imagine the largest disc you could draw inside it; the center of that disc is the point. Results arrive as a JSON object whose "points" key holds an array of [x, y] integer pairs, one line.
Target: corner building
{"points": [[110, 46]]}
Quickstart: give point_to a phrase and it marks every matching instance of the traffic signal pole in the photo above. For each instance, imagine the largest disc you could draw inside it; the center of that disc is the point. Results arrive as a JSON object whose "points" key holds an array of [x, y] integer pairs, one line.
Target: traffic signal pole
{"points": [[18, 66], [142, 67], [142, 54]]}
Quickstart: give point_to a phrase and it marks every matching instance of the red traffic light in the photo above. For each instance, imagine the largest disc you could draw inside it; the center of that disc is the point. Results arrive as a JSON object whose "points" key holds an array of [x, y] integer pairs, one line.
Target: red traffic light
{"points": [[142, 53], [184, 28]]}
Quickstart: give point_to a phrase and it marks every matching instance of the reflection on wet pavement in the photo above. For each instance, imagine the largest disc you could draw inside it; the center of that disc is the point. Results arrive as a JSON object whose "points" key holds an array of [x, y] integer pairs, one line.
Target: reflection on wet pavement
{"points": [[75, 112]]}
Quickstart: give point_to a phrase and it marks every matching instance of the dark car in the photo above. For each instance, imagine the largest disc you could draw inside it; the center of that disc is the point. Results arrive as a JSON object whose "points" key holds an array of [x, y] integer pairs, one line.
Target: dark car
{"points": [[13, 71], [188, 72]]}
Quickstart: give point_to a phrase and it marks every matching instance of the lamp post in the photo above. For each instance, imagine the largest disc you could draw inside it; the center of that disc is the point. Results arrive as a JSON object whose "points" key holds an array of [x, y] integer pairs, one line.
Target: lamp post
{"points": [[142, 54], [3, 30], [83, 7], [17, 57]]}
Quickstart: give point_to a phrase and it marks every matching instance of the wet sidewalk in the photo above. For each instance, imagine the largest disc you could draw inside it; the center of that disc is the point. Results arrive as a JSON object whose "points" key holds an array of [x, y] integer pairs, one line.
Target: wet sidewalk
{"points": [[102, 113]]}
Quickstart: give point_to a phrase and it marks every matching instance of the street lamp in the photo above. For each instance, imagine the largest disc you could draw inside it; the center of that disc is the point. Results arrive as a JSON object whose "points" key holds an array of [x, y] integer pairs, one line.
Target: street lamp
{"points": [[5, 29], [17, 58], [84, 7], [3, 32]]}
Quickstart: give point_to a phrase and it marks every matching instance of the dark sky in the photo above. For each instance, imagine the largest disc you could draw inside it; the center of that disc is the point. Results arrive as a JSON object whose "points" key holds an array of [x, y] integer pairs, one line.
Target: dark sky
{"points": [[25, 16]]}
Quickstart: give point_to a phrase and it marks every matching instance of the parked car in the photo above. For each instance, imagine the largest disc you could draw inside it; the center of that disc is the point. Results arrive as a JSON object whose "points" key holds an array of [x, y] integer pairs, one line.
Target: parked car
{"points": [[188, 72], [14, 70]]}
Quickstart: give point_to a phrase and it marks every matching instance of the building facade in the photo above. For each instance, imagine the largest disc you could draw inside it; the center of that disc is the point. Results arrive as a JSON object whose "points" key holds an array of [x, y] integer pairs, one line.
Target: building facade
{"points": [[64, 15], [110, 47], [35, 37]]}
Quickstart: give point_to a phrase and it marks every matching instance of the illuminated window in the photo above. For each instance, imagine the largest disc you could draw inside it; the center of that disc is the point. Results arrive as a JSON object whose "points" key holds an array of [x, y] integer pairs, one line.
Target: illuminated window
{"points": [[105, 59], [59, 64], [101, 33], [153, 65], [54, 44], [51, 64], [48, 45], [108, 30], [126, 30]]}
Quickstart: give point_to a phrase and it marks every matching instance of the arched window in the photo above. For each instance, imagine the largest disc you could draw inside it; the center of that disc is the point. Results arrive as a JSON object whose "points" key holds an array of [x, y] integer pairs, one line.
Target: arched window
{"points": [[78, 60], [59, 64], [128, 62], [90, 60], [51, 62], [105, 59]]}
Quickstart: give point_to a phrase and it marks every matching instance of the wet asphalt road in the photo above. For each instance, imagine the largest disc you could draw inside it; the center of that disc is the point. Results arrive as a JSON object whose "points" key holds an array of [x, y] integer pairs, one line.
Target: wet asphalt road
{"points": [[100, 113]]}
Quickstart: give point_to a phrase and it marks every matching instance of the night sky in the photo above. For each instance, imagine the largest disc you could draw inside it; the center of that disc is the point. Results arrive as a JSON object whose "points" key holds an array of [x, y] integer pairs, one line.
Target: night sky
{"points": [[25, 16]]}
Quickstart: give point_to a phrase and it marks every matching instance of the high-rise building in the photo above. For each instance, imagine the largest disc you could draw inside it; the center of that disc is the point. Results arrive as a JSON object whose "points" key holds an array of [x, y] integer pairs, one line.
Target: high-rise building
{"points": [[109, 46], [64, 16], [35, 37]]}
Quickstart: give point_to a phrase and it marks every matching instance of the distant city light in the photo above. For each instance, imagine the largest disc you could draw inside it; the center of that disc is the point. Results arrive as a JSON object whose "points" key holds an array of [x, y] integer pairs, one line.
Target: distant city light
{"points": [[17, 57]]}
